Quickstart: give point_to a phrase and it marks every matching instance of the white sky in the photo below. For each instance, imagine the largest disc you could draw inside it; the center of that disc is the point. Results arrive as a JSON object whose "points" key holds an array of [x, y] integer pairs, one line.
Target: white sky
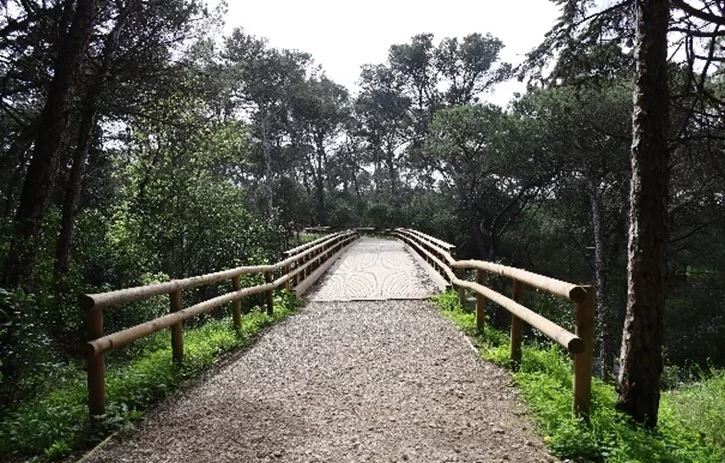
{"points": [[342, 35]]}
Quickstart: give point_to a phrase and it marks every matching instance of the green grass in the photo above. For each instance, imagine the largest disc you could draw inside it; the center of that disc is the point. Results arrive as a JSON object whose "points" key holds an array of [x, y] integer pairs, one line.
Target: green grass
{"points": [[690, 422], [701, 406], [59, 423]]}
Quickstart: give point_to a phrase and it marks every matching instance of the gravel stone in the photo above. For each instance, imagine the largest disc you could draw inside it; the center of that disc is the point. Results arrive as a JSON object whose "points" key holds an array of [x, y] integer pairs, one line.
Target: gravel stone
{"points": [[342, 382]]}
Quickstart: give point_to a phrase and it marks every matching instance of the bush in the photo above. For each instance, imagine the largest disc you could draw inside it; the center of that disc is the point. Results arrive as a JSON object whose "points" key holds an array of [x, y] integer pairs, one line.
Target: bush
{"points": [[25, 350]]}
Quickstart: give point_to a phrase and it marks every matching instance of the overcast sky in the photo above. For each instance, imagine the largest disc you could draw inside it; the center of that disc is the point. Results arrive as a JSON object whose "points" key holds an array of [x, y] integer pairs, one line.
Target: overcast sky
{"points": [[343, 35]]}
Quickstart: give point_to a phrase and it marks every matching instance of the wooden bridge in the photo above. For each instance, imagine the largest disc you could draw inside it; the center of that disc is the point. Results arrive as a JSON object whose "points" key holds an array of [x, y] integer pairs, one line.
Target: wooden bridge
{"points": [[366, 300]]}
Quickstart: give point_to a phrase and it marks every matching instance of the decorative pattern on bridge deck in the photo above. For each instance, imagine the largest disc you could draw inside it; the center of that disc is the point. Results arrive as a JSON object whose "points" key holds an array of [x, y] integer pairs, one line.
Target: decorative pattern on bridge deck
{"points": [[374, 268]]}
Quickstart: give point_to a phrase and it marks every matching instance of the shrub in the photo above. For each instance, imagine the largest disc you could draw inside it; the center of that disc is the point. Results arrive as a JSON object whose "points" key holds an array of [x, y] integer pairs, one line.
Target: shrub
{"points": [[25, 353]]}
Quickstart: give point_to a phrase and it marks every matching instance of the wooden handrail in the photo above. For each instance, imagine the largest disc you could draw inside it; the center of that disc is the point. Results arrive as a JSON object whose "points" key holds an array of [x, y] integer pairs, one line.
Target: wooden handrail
{"points": [[298, 257], [448, 272], [325, 229], [304, 246], [567, 340], [442, 252], [137, 293], [580, 344], [432, 239], [570, 291], [313, 257], [127, 336]]}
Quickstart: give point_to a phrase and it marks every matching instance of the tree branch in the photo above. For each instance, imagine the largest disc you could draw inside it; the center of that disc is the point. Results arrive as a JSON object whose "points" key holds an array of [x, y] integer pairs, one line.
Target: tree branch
{"points": [[700, 14]]}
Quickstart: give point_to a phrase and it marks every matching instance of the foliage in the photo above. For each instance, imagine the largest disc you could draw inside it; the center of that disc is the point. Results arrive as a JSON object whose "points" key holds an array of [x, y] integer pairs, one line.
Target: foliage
{"points": [[19, 315], [304, 238], [545, 380], [58, 422], [700, 406]]}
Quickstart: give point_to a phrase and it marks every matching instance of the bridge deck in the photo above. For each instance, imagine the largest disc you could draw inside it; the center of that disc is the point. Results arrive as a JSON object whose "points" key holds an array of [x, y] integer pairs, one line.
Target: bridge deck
{"points": [[375, 269]]}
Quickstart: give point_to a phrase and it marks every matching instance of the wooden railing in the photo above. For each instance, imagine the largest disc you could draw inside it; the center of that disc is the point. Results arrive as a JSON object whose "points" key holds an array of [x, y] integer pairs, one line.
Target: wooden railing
{"points": [[301, 267], [441, 256]]}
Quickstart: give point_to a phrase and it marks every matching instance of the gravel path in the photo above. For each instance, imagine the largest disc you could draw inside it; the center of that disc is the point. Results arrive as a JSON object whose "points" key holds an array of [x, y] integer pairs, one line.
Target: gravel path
{"points": [[343, 382]]}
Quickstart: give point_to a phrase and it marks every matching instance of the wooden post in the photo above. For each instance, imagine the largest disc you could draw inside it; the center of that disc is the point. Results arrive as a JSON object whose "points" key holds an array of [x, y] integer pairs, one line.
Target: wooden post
{"points": [[480, 303], [583, 361], [96, 365], [237, 304], [285, 270], [177, 330], [460, 274], [270, 294], [454, 254], [516, 327]]}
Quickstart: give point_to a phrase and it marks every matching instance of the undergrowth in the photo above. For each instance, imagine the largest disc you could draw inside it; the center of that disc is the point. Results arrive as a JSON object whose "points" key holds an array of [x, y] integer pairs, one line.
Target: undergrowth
{"points": [[691, 420], [701, 406], [57, 424]]}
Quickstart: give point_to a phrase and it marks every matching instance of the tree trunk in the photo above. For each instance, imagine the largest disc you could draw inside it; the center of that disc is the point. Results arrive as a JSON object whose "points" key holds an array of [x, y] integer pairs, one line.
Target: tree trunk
{"points": [[319, 168], [72, 194], [43, 167], [267, 153], [392, 174], [641, 357], [19, 152], [320, 197], [85, 137], [479, 242], [606, 354]]}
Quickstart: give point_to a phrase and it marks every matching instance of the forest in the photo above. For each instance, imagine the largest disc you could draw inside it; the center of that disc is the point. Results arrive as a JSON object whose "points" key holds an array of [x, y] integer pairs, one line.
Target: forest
{"points": [[139, 143]]}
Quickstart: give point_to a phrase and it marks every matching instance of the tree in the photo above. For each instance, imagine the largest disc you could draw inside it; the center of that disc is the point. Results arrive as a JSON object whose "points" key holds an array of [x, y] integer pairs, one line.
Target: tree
{"points": [[452, 73], [150, 29], [52, 133], [400, 99], [58, 57], [321, 109], [641, 356], [586, 134], [466, 148], [85, 137], [585, 27], [264, 82], [382, 113]]}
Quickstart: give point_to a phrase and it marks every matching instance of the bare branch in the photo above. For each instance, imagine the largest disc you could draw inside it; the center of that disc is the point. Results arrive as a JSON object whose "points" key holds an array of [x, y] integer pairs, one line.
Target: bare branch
{"points": [[700, 14]]}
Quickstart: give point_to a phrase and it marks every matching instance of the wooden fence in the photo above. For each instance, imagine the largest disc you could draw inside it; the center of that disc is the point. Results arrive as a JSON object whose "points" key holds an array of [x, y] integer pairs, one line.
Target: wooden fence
{"points": [[301, 267], [441, 256]]}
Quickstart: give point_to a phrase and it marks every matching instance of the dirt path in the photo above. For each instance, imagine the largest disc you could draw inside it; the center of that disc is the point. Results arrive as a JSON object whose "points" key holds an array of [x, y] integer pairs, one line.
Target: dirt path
{"points": [[343, 382]]}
